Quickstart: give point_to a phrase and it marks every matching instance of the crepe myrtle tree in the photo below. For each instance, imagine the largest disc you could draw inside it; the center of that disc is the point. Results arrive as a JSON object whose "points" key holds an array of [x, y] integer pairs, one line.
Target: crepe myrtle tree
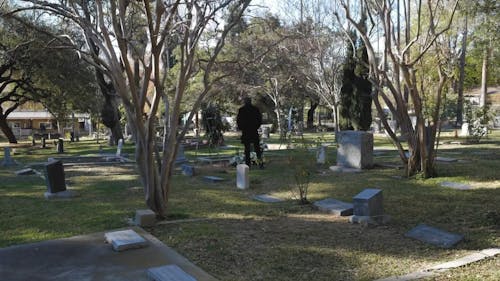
{"points": [[410, 31], [135, 40]]}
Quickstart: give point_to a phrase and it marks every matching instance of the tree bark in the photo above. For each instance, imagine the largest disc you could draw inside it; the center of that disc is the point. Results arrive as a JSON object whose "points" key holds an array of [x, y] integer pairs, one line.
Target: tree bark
{"points": [[7, 131], [310, 114]]}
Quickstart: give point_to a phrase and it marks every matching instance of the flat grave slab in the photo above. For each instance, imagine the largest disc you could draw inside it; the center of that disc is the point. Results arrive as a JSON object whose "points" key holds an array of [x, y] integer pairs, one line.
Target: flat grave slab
{"points": [[24, 172], [66, 194], [212, 179], [434, 236], [125, 239], [456, 185], [446, 159], [267, 198], [169, 273], [335, 207], [341, 169]]}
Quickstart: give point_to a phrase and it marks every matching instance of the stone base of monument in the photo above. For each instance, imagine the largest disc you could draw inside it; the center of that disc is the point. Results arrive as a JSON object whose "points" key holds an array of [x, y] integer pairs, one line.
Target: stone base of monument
{"points": [[125, 239], [342, 169], [66, 194], [145, 217], [169, 272]]}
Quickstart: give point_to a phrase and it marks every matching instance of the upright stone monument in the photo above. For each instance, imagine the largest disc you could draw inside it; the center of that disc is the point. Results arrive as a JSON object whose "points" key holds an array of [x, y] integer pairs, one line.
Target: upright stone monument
{"points": [[60, 146], [321, 155], [119, 148], [368, 206], [54, 175], [7, 160], [242, 176], [355, 149]]}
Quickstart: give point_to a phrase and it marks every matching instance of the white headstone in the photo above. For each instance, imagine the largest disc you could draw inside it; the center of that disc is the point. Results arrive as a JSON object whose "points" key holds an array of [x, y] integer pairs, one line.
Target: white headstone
{"points": [[119, 148], [465, 130], [242, 176], [321, 155]]}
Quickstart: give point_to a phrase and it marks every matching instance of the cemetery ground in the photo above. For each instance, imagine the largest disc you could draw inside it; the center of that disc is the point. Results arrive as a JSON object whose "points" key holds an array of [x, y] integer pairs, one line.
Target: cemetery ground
{"points": [[231, 236]]}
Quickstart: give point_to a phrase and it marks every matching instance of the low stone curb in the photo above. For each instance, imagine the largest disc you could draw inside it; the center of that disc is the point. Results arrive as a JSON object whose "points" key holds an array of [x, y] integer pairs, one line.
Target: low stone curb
{"points": [[434, 270]]}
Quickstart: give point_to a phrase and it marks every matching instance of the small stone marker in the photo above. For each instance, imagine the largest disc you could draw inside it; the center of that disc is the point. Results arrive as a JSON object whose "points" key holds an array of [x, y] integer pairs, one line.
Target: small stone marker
{"points": [[60, 146], [267, 198], [119, 148], [145, 217], [24, 172], [434, 236], [125, 239], [368, 207], [169, 273], [335, 207], [212, 179], [242, 176], [7, 160], [187, 170], [456, 185], [54, 175], [321, 155]]}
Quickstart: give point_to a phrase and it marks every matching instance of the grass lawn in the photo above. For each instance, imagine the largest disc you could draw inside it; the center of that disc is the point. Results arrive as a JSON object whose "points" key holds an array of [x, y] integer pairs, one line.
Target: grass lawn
{"points": [[243, 239]]}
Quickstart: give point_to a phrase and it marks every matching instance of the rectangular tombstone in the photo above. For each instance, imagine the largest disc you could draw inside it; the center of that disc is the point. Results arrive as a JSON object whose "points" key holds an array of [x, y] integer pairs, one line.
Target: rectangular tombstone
{"points": [[60, 146], [7, 160], [54, 175], [242, 176], [180, 158], [125, 239], [119, 147], [465, 132], [355, 149], [368, 203], [434, 236], [145, 217], [321, 155], [333, 206], [169, 272]]}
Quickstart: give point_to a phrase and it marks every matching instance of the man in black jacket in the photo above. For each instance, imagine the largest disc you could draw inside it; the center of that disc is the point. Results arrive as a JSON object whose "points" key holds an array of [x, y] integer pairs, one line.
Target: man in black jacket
{"points": [[249, 120]]}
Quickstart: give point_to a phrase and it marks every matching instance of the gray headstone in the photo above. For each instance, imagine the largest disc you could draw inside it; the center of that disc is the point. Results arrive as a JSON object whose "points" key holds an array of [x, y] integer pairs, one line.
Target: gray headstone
{"points": [[44, 142], [125, 239], [321, 155], [434, 236], [187, 170], [54, 175], [169, 273], [7, 160], [335, 207], [145, 217], [212, 179], [60, 146], [267, 198], [242, 176], [355, 149], [368, 203], [180, 158], [119, 147], [456, 185]]}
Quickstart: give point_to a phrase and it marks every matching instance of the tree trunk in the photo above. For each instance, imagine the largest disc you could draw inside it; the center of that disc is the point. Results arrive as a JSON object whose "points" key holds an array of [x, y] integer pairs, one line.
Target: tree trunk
{"points": [[310, 114], [461, 78], [7, 131], [484, 79]]}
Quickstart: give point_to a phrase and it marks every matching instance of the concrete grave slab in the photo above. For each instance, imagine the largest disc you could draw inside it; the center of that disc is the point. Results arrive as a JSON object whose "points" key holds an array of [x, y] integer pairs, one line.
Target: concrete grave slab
{"points": [[212, 179], [86, 257], [24, 172], [333, 206], [124, 240], [456, 185], [267, 198], [169, 273], [434, 236], [446, 159]]}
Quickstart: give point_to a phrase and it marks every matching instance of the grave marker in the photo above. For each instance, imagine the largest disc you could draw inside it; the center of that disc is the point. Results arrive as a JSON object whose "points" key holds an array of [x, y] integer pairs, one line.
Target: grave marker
{"points": [[44, 142], [119, 148], [23, 172], [169, 272], [125, 239], [187, 170], [355, 149], [242, 176], [180, 158], [54, 175], [7, 160], [456, 185], [212, 179], [368, 207], [321, 155], [60, 146], [267, 198], [145, 217], [333, 206], [434, 236]]}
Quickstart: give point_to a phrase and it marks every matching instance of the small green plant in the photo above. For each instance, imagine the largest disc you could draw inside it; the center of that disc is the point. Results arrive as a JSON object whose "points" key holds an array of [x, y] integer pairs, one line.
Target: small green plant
{"points": [[478, 118]]}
